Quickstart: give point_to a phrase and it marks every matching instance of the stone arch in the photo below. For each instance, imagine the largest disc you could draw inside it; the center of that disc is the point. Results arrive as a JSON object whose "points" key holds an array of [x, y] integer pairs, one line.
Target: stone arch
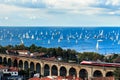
{"points": [[26, 66], [46, 70], [1, 60], [32, 66], [97, 73], [54, 70], [5, 61], [63, 71], [38, 68], [21, 64], [72, 72], [83, 74], [108, 74], [15, 63], [9, 62]]}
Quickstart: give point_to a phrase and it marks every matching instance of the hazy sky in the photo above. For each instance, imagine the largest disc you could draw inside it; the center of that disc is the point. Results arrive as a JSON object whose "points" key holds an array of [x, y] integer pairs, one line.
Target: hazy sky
{"points": [[60, 12]]}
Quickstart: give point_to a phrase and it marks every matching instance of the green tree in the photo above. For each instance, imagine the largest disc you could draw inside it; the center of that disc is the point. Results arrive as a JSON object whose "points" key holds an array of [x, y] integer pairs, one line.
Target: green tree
{"points": [[117, 74], [59, 51], [2, 50], [33, 48], [9, 47], [91, 56], [20, 47]]}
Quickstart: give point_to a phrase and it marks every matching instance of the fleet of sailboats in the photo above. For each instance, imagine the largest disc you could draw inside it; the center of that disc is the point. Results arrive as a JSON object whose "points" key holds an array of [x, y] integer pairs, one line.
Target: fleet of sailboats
{"points": [[59, 37]]}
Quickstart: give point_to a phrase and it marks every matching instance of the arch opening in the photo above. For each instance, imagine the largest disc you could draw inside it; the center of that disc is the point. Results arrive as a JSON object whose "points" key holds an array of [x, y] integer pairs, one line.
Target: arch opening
{"points": [[83, 74], [97, 73], [0, 60], [54, 70], [25, 65], [38, 68], [32, 69], [63, 71], [21, 64], [9, 62], [31, 66], [72, 72], [46, 70], [15, 64], [5, 61], [109, 74]]}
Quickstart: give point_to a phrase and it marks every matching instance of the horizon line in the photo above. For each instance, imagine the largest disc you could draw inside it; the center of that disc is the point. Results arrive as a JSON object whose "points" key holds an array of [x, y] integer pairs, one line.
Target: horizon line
{"points": [[60, 26]]}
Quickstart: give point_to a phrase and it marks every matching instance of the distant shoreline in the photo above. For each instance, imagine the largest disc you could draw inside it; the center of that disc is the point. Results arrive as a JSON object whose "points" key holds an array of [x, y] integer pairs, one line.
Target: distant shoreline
{"points": [[63, 26]]}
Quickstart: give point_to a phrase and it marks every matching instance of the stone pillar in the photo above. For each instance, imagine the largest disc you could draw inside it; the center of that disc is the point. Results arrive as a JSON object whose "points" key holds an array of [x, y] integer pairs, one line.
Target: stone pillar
{"points": [[104, 72], [35, 66], [58, 70], [23, 65], [90, 72], [50, 70], [77, 73], [29, 65], [67, 72], [42, 70], [18, 63]]}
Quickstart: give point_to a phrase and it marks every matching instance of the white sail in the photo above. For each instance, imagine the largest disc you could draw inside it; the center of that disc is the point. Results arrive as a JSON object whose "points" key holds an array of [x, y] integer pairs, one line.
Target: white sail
{"points": [[76, 41], [32, 37], [97, 44], [48, 41]]}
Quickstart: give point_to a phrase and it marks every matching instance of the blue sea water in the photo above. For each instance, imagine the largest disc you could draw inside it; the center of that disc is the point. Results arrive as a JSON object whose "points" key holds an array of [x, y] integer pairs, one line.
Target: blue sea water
{"points": [[103, 40]]}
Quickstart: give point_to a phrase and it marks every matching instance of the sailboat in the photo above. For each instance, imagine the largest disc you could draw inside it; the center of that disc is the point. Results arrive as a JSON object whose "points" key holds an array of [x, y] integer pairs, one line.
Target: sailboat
{"points": [[32, 37], [52, 37], [21, 43], [59, 40], [61, 37], [27, 36], [118, 42], [1, 38], [48, 41], [97, 44], [76, 41], [101, 33]]}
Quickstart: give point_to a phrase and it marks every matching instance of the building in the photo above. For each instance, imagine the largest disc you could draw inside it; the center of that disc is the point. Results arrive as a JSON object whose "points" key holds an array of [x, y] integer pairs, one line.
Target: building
{"points": [[117, 60], [18, 52], [23, 52], [2, 71], [9, 73]]}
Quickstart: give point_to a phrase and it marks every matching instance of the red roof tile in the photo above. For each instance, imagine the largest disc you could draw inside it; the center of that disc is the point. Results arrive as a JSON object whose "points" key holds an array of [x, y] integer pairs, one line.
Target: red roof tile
{"points": [[69, 77], [2, 67], [78, 79], [13, 69], [45, 78], [59, 78], [35, 78]]}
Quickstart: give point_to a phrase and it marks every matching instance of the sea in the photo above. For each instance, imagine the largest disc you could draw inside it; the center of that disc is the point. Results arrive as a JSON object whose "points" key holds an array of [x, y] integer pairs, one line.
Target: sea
{"points": [[103, 40]]}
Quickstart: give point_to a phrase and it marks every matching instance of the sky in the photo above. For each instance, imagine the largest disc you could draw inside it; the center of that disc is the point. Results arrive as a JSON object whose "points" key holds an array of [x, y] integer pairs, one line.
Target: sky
{"points": [[59, 12]]}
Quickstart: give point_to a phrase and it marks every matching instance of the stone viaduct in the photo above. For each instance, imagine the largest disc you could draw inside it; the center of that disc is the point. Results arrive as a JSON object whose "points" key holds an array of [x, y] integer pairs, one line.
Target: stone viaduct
{"points": [[56, 68]]}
